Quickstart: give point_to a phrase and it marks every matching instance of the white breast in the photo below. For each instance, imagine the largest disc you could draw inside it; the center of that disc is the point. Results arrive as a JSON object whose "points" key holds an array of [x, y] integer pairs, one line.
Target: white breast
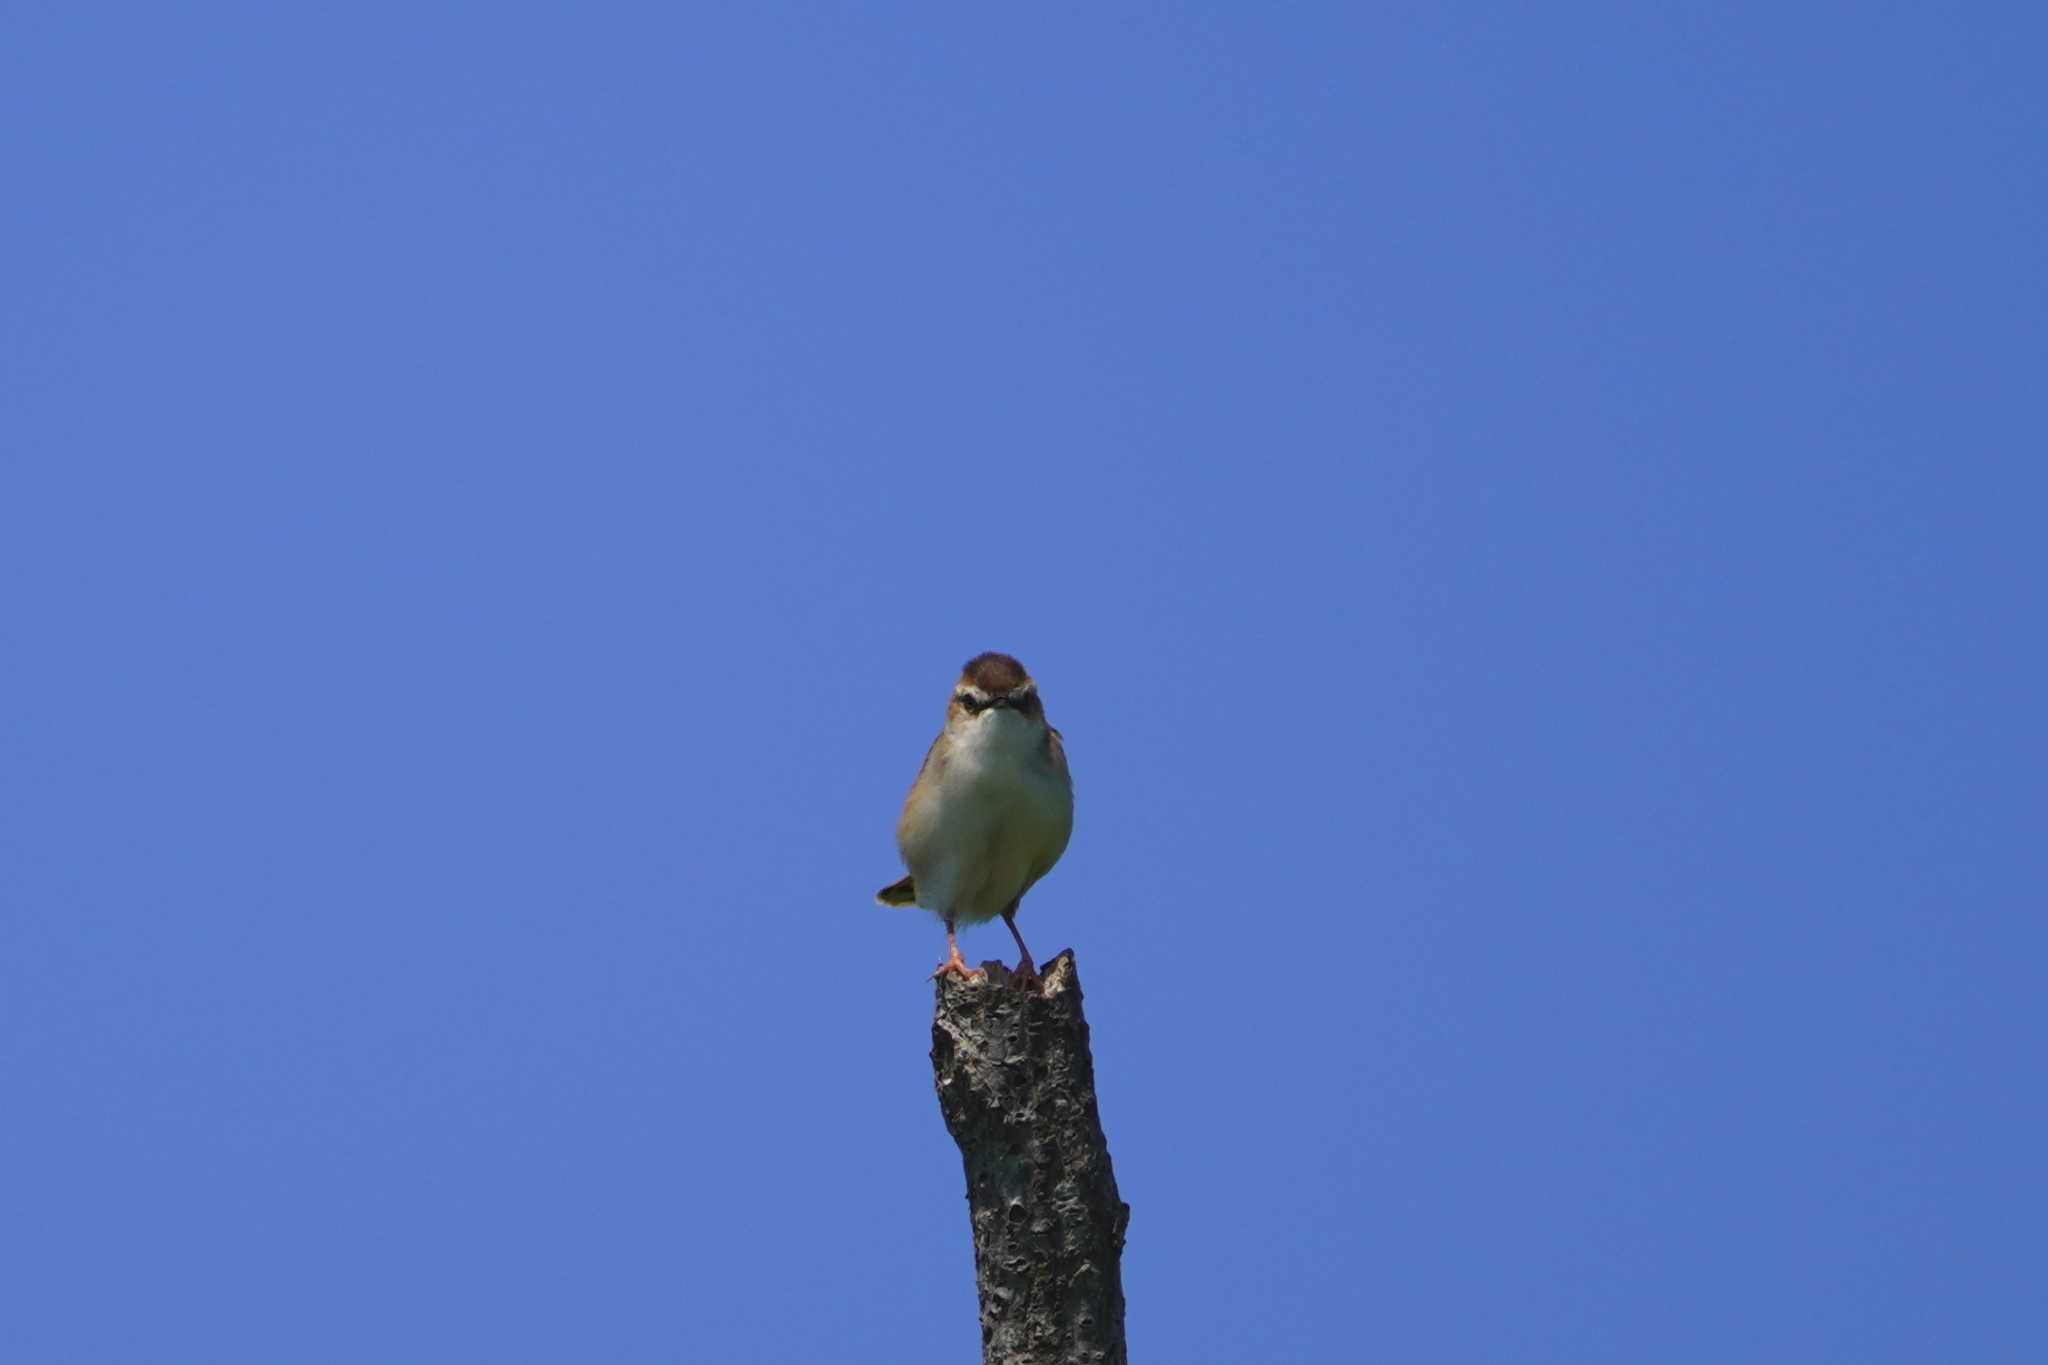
{"points": [[996, 819]]}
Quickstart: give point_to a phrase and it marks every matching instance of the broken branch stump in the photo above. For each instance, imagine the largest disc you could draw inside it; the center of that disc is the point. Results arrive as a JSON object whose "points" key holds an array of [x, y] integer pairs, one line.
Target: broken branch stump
{"points": [[1016, 1084]]}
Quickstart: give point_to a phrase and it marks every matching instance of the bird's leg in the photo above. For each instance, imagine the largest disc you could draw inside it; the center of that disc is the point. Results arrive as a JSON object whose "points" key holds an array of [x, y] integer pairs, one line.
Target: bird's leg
{"points": [[1025, 967], [954, 965]]}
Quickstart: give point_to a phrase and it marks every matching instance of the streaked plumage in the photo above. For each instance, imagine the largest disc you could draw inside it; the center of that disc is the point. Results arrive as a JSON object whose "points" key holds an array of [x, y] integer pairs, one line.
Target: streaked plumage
{"points": [[991, 809]]}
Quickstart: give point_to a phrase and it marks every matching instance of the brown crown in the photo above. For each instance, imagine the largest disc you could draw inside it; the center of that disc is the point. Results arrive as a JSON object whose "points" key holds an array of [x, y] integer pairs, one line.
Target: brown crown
{"points": [[996, 674]]}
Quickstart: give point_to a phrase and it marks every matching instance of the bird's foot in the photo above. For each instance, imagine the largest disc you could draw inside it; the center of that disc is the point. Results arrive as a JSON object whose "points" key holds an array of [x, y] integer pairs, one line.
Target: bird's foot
{"points": [[956, 965], [1027, 970]]}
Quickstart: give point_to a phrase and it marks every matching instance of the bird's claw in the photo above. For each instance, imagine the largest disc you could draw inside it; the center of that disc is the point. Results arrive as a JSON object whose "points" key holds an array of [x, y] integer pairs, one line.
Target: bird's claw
{"points": [[956, 965]]}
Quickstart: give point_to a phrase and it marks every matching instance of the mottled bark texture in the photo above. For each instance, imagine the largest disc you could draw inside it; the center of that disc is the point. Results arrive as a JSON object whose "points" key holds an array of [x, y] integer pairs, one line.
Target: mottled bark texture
{"points": [[1017, 1086]]}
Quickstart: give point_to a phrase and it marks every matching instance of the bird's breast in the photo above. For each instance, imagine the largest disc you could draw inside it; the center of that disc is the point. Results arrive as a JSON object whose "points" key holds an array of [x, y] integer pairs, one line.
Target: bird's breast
{"points": [[988, 822]]}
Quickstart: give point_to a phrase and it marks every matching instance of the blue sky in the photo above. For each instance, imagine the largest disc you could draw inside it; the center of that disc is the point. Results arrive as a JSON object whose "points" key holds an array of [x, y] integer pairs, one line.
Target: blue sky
{"points": [[1528, 518]]}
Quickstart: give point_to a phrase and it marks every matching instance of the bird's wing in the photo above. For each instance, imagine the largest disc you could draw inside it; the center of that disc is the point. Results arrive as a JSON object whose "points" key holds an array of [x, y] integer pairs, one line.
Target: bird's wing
{"points": [[930, 753]]}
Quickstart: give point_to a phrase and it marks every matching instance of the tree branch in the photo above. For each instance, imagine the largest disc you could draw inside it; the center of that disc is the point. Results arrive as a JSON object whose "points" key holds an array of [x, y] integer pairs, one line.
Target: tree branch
{"points": [[1017, 1087]]}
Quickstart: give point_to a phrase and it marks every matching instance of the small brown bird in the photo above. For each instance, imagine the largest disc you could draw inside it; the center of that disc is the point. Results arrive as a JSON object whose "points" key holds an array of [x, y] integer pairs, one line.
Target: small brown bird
{"points": [[990, 811]]}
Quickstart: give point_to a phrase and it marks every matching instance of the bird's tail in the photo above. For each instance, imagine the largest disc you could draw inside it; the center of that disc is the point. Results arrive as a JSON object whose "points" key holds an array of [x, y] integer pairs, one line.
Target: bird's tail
{"points": [[897, 893]]}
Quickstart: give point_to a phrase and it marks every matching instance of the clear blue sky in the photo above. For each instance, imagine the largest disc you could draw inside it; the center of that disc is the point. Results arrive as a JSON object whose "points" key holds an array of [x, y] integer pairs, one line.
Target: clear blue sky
{"points": [[1529, 517]]}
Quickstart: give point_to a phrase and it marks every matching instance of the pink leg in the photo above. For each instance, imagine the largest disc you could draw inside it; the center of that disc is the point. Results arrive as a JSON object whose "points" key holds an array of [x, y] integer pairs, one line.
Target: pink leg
{"points": [[955, 965], [1025, 966]]}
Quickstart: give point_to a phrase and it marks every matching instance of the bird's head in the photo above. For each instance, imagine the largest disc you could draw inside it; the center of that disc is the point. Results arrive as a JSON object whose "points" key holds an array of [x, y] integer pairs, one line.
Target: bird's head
{"points": [[990, 685]]}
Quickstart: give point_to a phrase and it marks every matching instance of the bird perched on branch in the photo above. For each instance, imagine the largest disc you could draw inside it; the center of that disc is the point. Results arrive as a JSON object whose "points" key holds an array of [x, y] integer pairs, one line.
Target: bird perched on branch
{"points": [[990, 811]]}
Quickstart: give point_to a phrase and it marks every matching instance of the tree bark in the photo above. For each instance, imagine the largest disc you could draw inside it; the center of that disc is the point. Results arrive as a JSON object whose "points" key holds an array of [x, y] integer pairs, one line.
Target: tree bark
{"points": [[1017, 1087]]}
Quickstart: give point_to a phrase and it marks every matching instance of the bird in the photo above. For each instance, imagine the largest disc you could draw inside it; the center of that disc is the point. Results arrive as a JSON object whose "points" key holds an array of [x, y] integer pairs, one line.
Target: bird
{"points": [[991, 810]]}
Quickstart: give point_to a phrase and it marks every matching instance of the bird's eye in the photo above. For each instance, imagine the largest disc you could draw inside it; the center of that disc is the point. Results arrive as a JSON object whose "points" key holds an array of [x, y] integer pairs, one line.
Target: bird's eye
{"points": [[966, 700]]}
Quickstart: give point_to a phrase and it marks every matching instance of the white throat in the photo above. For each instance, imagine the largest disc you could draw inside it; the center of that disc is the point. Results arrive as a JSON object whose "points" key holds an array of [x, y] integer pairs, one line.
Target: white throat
{"points": [[999, 734]]}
